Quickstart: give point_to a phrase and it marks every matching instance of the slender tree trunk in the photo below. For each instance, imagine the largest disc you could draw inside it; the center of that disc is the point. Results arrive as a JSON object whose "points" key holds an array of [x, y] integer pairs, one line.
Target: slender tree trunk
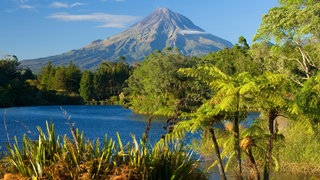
{"points": [[237, 149], [217, 153], [146, 132], [272, 116], [253, 164]]}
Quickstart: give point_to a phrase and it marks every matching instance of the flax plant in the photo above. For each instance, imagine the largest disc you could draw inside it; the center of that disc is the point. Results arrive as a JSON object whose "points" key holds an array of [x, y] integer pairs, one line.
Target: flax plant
{"points": [[52, 157]]}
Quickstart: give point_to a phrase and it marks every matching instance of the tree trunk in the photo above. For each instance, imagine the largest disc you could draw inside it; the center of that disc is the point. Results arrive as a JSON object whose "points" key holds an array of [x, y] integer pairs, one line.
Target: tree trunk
{"points": [[253, 164], [217, 153], [237, 149], [272, 116], [146, 132]]}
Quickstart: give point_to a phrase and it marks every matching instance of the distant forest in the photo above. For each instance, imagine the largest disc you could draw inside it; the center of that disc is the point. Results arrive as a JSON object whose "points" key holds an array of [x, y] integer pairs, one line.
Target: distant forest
{"points": [[61, 85]]}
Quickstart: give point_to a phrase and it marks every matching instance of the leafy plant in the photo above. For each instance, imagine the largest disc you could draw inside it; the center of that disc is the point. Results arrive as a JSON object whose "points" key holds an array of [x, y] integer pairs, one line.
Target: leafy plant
{"points": [[50, 157]]}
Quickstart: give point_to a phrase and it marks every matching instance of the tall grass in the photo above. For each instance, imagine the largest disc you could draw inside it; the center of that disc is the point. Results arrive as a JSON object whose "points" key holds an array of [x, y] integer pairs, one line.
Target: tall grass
{"points": [[300, 153], [52, 156]]}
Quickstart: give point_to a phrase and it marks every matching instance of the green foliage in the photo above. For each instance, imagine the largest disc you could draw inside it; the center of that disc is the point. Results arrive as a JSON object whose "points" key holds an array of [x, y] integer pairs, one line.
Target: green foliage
{"points": [[68, 85], [272, 92], [31, 158], [174, 162], [73, 76], [61, 79], [14, 90], [292, 21], [86, 88], [232, 99], [299, 153], [61, 85], [294, 27], [8, 71], [108, 80], [52, 157], [234, 96], [45, 76], [307, 99], [157, 88], [235, 60]]}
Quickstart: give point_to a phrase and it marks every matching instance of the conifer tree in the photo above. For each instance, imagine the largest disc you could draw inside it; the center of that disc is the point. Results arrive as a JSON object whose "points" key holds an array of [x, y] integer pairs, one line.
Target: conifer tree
{"points": [[86, 87]]}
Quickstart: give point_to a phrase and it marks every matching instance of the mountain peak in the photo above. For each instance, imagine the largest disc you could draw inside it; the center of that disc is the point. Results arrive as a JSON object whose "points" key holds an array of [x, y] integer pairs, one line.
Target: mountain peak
{"points": [[162, 10], [160, 29], [163, 19]]}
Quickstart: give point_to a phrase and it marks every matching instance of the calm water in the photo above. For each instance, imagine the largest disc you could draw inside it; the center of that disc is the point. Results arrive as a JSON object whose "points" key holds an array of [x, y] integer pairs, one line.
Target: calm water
{"points": [[95, 121]]}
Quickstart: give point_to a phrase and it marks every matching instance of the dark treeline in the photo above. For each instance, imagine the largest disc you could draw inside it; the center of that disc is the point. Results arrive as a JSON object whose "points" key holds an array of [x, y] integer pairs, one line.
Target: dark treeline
{"points": [[14, 89], [60, 84], [91, 86], [105, 83]]}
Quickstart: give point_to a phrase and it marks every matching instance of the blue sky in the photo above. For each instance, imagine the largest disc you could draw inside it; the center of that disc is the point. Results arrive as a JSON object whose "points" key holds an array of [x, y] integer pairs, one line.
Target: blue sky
{"points": [[40, 28]]}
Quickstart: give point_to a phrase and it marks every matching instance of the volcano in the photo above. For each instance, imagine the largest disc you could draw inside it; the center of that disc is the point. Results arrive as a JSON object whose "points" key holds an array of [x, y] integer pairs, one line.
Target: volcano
{"points": [[162, 28]]}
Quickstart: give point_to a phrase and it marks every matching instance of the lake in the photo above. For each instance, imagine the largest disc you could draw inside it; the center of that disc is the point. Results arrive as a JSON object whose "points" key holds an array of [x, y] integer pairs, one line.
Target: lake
{"points": [[95, 121]]}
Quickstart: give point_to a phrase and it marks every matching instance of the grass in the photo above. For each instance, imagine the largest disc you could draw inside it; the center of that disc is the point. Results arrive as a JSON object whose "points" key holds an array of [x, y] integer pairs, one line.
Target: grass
{"points": [[300, 153], [58, 157]]}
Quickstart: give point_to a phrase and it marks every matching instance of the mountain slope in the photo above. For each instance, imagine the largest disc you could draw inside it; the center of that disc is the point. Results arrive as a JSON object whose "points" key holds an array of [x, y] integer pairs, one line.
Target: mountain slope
{"points": [[160, 29]]}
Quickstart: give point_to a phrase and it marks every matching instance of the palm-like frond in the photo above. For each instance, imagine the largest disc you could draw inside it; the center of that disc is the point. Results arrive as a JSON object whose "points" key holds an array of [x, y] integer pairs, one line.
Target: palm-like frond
{"points": [[249, 87]]}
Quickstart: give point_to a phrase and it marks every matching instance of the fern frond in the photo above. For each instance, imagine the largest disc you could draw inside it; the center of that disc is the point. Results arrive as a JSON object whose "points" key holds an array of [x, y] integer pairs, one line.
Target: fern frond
{"points": [[228, 104], [230, 161], [305, 124], [189, 72], [244, 77], [275, 79], [215, 72], [294, 108], [250, 87], [253, 130]]}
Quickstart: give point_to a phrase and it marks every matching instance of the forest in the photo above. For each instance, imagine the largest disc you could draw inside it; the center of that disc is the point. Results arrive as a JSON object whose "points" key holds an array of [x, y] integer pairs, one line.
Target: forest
{"points": [[276, 77], [61, 85]]}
